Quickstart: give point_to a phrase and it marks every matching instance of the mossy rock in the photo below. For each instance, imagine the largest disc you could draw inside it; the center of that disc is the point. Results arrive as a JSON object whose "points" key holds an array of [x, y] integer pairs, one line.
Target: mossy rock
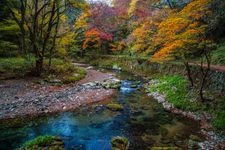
{"points": [[112, 85], [114, 106], [116, 67], [44, 142], [165, 148], [119, 143], [195, 138], [134, 86]]}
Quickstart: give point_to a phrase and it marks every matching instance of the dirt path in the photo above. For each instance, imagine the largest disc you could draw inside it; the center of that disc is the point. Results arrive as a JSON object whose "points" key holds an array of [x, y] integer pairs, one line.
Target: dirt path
{"points": [[25, 97], [213, 67]]}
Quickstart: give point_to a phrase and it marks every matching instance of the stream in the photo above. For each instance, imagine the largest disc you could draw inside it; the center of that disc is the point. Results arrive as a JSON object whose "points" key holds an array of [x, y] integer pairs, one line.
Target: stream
{"points": [[143, 121]]}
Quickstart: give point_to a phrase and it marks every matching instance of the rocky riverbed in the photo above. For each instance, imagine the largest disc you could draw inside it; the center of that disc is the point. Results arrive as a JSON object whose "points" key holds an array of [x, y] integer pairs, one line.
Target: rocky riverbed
{"points": [[31, 97]]}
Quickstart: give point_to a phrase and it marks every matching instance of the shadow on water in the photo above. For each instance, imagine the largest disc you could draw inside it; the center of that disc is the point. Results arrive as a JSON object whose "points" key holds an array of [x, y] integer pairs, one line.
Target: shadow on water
{"points": [[143, 121]]}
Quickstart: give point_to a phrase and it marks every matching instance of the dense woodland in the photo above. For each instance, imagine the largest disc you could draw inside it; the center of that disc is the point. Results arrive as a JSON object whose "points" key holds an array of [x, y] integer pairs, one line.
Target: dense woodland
{"points": [[42, 37], [159, 30]]}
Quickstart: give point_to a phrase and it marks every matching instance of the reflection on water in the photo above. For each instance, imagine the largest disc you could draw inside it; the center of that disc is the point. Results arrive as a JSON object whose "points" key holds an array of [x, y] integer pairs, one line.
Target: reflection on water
{"points": [[142, 120]]}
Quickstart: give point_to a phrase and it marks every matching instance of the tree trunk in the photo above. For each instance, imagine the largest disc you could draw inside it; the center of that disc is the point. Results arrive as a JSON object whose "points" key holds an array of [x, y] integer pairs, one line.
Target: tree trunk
{"points": [[201, 94], [39, 66], [205, 74], [188, 71], [20, 22], [23, 44], [55, 33]]}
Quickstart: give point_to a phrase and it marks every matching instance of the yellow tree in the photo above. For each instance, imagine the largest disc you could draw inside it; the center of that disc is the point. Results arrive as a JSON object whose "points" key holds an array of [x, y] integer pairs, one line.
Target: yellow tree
{"points": [[81, 26]]}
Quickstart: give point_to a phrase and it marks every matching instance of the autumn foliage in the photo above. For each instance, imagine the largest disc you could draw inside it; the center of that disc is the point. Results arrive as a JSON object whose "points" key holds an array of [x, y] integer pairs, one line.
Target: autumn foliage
{"points": [[95, 38], [182, 32], [162, 33]]}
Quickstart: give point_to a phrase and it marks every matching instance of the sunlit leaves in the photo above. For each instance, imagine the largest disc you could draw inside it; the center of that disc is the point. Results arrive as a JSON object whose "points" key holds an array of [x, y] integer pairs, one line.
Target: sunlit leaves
{"points": [[82, 21], [183, 32], [132, 7]]}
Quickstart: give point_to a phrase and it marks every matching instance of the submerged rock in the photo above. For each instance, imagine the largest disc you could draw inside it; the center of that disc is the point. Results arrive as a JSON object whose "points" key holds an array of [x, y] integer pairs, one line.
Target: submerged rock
{"points": [[119, 143], [114, 106], [134, 86], [137, 113]]}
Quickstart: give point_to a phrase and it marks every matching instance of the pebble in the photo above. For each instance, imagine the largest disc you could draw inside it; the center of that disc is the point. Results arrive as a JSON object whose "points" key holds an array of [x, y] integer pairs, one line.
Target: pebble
{"points": [[41, 102]]}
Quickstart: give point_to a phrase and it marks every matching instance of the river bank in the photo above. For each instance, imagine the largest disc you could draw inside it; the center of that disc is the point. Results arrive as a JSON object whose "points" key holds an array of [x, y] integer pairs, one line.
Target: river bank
{"points": [[140, 119], [33, 97]]}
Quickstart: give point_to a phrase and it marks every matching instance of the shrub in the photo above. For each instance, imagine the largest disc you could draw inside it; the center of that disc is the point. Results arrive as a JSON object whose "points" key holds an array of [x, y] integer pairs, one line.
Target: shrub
{"points": [[59, 66], [16, 65]]}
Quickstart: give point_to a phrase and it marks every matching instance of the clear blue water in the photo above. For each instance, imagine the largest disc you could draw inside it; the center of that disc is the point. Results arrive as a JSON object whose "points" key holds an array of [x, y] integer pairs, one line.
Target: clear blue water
{"points": [[143, 121]]}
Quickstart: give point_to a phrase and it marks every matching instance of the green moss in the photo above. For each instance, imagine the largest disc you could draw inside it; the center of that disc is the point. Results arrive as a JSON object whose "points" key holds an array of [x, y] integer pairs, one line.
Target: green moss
{"points": [[219, 119], [44, 142], [119, 143], [175, 89], [114, 106]]}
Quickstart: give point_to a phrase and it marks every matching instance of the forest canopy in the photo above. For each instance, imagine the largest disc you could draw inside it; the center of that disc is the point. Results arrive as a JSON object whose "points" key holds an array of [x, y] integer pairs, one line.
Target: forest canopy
{"points": [[161, 30]]}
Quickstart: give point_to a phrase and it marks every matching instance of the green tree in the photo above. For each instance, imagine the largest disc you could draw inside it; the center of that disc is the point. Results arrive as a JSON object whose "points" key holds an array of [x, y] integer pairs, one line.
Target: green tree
{"points": [[40, 22]]}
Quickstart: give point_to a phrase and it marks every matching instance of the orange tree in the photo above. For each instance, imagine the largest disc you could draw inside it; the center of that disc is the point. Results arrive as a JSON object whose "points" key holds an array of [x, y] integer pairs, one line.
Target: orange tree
{"points": [[181, 34], [95, 39]]}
